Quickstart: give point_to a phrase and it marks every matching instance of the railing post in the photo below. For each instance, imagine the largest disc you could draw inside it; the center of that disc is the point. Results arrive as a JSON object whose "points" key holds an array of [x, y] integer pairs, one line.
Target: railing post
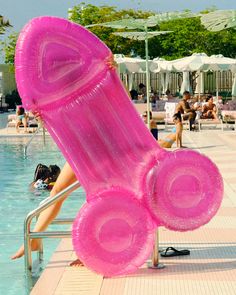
{"points": [[30, 140], [27, 247], [40, 251], [155, 254], [44, 136]]}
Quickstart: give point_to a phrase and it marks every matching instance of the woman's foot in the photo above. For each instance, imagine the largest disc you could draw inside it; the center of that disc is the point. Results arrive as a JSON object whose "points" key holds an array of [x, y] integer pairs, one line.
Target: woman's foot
{"points": [[77, 262], [35, 245]]}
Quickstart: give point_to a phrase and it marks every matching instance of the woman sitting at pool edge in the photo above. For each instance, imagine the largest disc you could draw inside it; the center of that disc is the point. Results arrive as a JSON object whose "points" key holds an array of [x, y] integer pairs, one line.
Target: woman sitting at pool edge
{"points": [[175, 135]]}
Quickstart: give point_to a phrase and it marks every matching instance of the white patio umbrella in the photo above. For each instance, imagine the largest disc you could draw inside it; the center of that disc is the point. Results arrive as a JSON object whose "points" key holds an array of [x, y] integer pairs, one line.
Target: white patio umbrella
{"points": [[186, 65], [161, 65], [129, 64], [202, 62], [191, 63], [219, 63], [219, 20]]}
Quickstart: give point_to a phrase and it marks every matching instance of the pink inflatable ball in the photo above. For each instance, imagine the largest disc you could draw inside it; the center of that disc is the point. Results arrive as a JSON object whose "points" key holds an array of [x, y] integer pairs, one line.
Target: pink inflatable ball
{"points": [[184, 191], [113, 234]]}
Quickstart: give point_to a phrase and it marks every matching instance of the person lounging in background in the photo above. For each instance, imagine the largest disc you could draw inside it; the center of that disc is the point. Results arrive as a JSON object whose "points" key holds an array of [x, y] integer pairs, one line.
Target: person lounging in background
{"points": [[21, 118], [209, 110], [187, 112], [175, 135]]}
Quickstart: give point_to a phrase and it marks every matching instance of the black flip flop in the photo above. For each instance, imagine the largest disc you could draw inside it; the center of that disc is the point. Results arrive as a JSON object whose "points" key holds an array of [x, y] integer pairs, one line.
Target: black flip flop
{"points": [[171, 252]]}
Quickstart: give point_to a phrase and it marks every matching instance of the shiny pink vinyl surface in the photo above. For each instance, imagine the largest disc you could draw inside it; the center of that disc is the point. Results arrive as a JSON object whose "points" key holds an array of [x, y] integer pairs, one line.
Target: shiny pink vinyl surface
{"points": [[131, 184]]}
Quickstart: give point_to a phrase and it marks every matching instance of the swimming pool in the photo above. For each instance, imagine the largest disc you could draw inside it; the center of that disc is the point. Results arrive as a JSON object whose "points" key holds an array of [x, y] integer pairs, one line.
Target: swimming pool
{"points": [[16, 172]]}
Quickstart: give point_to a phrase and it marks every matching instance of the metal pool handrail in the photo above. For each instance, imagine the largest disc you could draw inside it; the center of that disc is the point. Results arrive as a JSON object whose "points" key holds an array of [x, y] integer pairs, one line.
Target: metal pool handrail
{"points": [[28, 235], [32, 137]]}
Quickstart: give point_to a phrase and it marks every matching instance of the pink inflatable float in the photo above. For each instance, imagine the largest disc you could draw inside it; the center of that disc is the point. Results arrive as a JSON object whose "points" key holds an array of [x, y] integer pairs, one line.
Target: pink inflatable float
{"points": [[132, 185]]}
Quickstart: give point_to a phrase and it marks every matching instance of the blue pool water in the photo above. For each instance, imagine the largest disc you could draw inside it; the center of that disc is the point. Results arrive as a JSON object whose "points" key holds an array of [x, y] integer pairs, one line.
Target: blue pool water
{"points": [[16, 172]]}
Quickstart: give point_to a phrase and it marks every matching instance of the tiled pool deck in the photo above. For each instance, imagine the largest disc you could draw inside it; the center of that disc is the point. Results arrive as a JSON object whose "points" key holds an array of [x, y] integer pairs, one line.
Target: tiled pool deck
{"points": [[211, 267]]}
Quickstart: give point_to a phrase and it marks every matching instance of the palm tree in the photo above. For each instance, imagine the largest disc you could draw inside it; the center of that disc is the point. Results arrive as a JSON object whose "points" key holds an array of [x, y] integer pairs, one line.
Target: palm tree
{"points": [[219, 20], [4, 24]]}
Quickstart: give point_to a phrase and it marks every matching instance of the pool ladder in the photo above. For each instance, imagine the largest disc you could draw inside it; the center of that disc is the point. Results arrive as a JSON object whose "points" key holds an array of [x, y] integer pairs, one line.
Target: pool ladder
{"points": [[32, 137], [28, 234]]}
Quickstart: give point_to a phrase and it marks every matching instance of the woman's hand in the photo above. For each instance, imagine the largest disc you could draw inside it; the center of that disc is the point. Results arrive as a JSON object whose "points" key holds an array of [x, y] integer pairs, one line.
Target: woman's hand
{"points": [[38, 117], [112, 64]]}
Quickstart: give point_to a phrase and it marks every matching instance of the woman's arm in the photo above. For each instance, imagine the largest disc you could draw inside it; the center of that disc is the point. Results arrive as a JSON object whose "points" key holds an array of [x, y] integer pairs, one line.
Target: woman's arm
{"points": [[215, 109], [204, 108]]}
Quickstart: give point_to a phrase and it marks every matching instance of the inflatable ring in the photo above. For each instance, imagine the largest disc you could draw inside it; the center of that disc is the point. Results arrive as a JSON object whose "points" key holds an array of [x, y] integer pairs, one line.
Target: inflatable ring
{"points": [[184, 191], [113, 234]]}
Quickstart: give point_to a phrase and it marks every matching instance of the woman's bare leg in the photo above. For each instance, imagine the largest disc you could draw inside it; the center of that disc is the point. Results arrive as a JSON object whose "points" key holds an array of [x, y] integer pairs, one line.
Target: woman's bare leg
{"points": [[17, 126], [24, 121], [66, 178], [214, 115]]}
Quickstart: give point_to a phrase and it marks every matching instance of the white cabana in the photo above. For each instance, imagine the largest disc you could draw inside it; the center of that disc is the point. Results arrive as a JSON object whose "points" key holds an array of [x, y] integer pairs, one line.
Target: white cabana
{"points": [[220, 63], [187, 64], [165, 80], [198, 62], [128, 66], [199, 83]]}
